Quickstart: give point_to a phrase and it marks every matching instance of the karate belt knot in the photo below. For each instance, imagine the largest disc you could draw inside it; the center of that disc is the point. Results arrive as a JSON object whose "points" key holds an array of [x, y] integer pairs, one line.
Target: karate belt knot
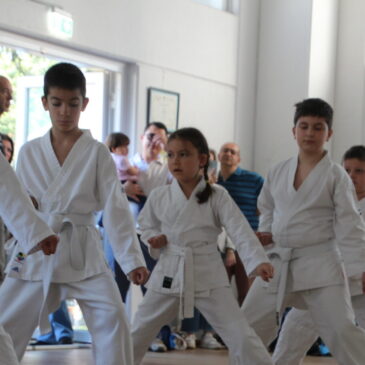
{"points": [[185, 272], [57, 222], [286, 255]]}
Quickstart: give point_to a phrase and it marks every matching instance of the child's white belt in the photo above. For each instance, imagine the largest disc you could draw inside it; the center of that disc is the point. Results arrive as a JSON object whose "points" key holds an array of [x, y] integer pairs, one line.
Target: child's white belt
{"points": [[286, 255], [57, 222], [185, 272]]}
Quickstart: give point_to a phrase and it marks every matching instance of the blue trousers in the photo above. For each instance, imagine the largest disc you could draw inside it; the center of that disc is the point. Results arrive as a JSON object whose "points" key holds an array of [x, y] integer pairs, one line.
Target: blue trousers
{"points": [[193, 325], [61, 326]]}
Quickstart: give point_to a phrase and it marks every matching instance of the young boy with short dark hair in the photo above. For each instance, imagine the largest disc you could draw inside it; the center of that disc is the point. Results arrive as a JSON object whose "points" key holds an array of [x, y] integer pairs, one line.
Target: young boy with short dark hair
{"points": [[308, 211], [298, 324], [71, 176]]}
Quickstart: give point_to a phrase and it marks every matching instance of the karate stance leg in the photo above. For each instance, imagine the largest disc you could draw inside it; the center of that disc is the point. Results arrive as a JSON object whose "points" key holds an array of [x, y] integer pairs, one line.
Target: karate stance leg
{"points": [[332, 312], [154, 311], [222, 311], [8, 356], [297, 335], [259, 310], [20, 303], [103, 311]]}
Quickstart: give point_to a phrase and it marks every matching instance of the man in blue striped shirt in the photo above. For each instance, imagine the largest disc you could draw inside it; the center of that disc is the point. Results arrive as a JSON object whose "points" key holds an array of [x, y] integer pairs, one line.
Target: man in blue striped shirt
{"points": [[244, 187]]}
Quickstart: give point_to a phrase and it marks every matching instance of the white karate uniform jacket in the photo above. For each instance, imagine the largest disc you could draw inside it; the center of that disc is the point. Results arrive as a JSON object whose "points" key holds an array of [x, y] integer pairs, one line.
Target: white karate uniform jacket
{"points": [[17, 211], [190, 265], [357, 268], [68, 196], [309, 221]]}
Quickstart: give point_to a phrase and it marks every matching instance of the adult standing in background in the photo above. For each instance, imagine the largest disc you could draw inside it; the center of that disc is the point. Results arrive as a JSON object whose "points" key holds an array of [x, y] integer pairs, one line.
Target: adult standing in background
{"points": [[153, 172], [244, 187]]}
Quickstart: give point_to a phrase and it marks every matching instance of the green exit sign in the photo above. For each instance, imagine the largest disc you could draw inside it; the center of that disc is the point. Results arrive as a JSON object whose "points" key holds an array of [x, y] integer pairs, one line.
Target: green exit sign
{"points": [[60, 23]]}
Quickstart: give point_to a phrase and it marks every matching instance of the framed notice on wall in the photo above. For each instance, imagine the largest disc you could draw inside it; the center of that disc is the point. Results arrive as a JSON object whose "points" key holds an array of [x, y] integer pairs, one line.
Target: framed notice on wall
{"points": [[163, 106]]}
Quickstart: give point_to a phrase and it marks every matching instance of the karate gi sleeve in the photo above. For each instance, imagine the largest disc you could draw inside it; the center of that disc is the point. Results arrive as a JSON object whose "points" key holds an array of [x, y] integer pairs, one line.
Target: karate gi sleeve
{"points": [[117, 219], [265, 204], [17, 211], [349, 227], [149, 224], [239, 230]]}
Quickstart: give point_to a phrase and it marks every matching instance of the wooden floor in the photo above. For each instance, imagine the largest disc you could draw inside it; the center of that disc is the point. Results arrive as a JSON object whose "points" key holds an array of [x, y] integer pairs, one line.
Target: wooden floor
{"points": [[192, 357]]}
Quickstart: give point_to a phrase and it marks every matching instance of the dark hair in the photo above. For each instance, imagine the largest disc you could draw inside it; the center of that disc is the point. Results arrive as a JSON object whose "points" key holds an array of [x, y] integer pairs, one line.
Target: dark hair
{"points": [[158, 125], [5, 137], [357, 152], [115, 140], [197, 139], [66, 76], [314, 107]]}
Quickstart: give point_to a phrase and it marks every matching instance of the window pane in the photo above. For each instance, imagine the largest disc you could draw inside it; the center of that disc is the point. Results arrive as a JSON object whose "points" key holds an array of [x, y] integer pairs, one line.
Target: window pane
{"points": [[218, 4]]}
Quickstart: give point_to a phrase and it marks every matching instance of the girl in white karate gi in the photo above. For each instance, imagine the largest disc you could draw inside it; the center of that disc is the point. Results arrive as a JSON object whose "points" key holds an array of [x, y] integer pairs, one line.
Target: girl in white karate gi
{"points": [[299, 324], [181, 223]]}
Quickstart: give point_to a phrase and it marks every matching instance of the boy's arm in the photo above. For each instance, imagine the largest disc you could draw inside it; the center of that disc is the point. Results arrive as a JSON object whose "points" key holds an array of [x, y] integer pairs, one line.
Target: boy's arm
{"points": [[117, 219], [239, 230], [349, 227], [18, 212]]}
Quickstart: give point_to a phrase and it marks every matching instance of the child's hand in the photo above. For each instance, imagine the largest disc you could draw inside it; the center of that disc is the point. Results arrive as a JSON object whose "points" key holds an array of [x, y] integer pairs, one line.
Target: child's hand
{"points": [[230, 259], [139, 276], [265, 238], [49, 245], [158, 241], [265, 270]]}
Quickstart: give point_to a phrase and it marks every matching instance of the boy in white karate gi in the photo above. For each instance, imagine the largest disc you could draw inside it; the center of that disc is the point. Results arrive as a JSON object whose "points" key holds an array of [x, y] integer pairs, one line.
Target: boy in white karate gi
{"points": [[298, 331], [19, 215], [71, 176], [307, 204]]}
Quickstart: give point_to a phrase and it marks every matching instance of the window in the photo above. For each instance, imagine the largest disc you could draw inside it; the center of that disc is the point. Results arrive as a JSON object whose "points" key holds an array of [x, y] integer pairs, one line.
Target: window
{"points": [[231, 6]]}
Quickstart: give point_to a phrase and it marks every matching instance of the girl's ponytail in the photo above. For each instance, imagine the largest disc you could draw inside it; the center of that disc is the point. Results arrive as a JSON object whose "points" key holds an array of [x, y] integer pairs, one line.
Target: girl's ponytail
{"points": [[203, 196], [198, 140]]}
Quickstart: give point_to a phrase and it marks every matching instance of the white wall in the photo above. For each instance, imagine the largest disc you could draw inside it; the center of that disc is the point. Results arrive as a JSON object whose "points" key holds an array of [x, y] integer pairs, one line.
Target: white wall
{"points": [[297, 46], [350, 93], [244, 134], [288, 50], [283, 76], [204, 104], [179, 45]]}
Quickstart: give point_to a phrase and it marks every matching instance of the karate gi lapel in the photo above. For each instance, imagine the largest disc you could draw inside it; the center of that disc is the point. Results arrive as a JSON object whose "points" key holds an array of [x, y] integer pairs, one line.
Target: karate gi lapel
{"points": [[181, 208], [78, 152], [297, 198]]}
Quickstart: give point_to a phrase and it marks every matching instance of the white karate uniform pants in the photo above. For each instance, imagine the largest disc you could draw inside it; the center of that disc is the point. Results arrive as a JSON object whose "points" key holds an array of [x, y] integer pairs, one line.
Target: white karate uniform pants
{"points": [[220, 309], [299, 332], [7, 354], [330, 308], [100, 303]]}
